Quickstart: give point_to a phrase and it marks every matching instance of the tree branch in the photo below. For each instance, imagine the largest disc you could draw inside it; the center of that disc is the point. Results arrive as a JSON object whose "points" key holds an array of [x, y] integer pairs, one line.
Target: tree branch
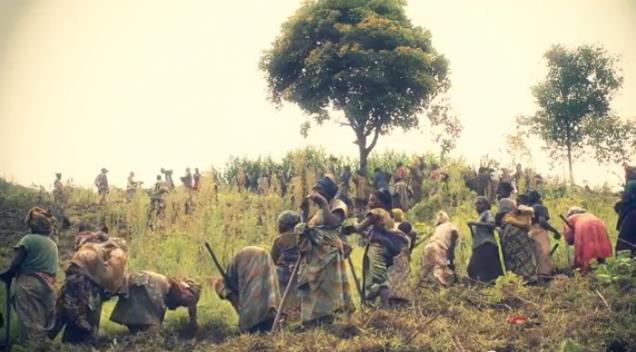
{"points": [[375, 139]]}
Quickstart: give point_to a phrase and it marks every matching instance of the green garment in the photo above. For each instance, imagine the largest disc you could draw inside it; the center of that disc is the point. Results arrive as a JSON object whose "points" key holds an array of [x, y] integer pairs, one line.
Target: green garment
{"points": [[41, 254]]}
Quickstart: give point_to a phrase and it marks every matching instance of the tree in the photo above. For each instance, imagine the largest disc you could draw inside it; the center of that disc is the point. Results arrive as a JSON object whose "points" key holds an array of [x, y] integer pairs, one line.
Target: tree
{"points": [[445, 127], [362, 58], [574, 106]]}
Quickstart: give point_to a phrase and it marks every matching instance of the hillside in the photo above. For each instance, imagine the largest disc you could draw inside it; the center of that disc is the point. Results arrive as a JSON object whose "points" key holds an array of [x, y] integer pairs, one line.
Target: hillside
{"points": [[572, 313]]}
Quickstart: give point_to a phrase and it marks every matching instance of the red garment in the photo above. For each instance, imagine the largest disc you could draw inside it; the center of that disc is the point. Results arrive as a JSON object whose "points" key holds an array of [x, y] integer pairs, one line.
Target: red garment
{"points": [[590, 239]]}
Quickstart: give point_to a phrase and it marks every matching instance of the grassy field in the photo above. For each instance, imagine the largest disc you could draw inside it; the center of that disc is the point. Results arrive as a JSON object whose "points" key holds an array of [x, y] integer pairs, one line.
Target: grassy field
{"points": [[571, 314]]}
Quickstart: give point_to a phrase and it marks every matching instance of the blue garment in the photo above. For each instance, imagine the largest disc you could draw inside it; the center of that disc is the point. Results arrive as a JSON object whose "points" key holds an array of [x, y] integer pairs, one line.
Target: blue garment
{"points": [[483, 234]]}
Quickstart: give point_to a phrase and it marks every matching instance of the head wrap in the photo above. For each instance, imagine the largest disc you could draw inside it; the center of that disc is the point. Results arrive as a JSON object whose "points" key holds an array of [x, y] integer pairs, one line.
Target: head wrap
{"points": [[398, 214], [104, 170], [506, 205], [384, 197], [441, 218], [534, 197], [328, 187], [575, 210], [40, 220], [183, 293], [384, 218], [288, 219], [482, 199]]}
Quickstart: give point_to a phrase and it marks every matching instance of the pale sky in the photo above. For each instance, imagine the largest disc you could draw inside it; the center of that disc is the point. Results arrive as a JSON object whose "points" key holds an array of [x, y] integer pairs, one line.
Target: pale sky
{"points": [[139, 85]]}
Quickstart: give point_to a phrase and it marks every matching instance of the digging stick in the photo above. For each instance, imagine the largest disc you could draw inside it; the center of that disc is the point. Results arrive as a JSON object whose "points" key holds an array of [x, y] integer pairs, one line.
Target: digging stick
{"points": [[217, 264], [292, 279]]}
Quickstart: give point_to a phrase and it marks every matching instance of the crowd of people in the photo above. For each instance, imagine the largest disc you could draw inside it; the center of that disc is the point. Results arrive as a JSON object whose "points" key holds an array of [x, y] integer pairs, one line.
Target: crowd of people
{"points": [[306, 275]]}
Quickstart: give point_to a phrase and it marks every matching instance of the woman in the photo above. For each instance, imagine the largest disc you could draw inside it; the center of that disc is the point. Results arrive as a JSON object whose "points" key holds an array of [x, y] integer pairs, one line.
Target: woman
{"points": [[539, 233], [626, 210], [589, 236], [285, 254], [252, 288], [484, 265], [34, 267], [149, 294], [437, 252], [516, 244], [97, 271], [323, 283]]}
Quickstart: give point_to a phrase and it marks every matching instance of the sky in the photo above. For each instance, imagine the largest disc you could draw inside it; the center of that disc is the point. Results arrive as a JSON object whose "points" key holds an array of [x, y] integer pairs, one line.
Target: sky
{"points": [[140, 85]]}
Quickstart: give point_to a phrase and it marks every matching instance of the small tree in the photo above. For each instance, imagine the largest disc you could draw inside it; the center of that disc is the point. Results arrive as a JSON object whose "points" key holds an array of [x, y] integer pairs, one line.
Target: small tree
{"points": [[363, 58], [574, 105]]}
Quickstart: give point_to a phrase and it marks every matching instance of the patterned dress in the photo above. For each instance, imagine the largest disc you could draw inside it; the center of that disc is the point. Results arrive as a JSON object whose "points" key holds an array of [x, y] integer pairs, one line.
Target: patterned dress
{"points": [[323, 283], [145, 303], [252, 289], [518, 247]]}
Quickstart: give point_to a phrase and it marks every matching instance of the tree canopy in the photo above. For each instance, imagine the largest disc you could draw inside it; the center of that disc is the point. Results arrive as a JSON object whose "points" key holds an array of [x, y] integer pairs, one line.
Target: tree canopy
{"points": [[574, 106], [363, 58]]}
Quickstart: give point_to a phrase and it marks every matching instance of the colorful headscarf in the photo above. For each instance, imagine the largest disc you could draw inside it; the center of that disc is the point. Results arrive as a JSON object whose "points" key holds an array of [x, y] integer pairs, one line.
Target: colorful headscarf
{"points": [[40, 221]]}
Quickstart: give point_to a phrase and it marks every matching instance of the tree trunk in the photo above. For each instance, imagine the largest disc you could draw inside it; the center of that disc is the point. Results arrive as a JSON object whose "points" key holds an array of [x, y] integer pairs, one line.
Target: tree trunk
{"points": [[362, 147], [570, 165]]}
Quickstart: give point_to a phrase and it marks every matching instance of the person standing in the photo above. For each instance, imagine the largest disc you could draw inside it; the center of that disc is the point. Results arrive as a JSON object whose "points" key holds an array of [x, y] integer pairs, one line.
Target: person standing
{"points": [[58, 191], [33, 269], [101, 182], [187, 179], [197, 179], [131, 186], [484, 265]]}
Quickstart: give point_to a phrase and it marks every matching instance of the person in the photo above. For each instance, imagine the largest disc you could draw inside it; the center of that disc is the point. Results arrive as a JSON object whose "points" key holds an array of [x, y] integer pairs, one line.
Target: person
{"points": [[380, 179], [86, 235], [589, 236], [157, 198], [402, 198], [131, 186], [539, 233], [383, 245], [438, 255], [197, 179], [483, 180], [167, 175], [626, 210], [96, 271], [401, 173], [484, 264], [517, 246], [323, 284], [33, 269], [402, 224], [263, 184], [149, 295], [58, 191], [345, 179], [362, 189], [187, 179], [417, 177], [101, 182], [521, 184], [285, 254], [504, 187], [241, 179], [252, 288]]}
